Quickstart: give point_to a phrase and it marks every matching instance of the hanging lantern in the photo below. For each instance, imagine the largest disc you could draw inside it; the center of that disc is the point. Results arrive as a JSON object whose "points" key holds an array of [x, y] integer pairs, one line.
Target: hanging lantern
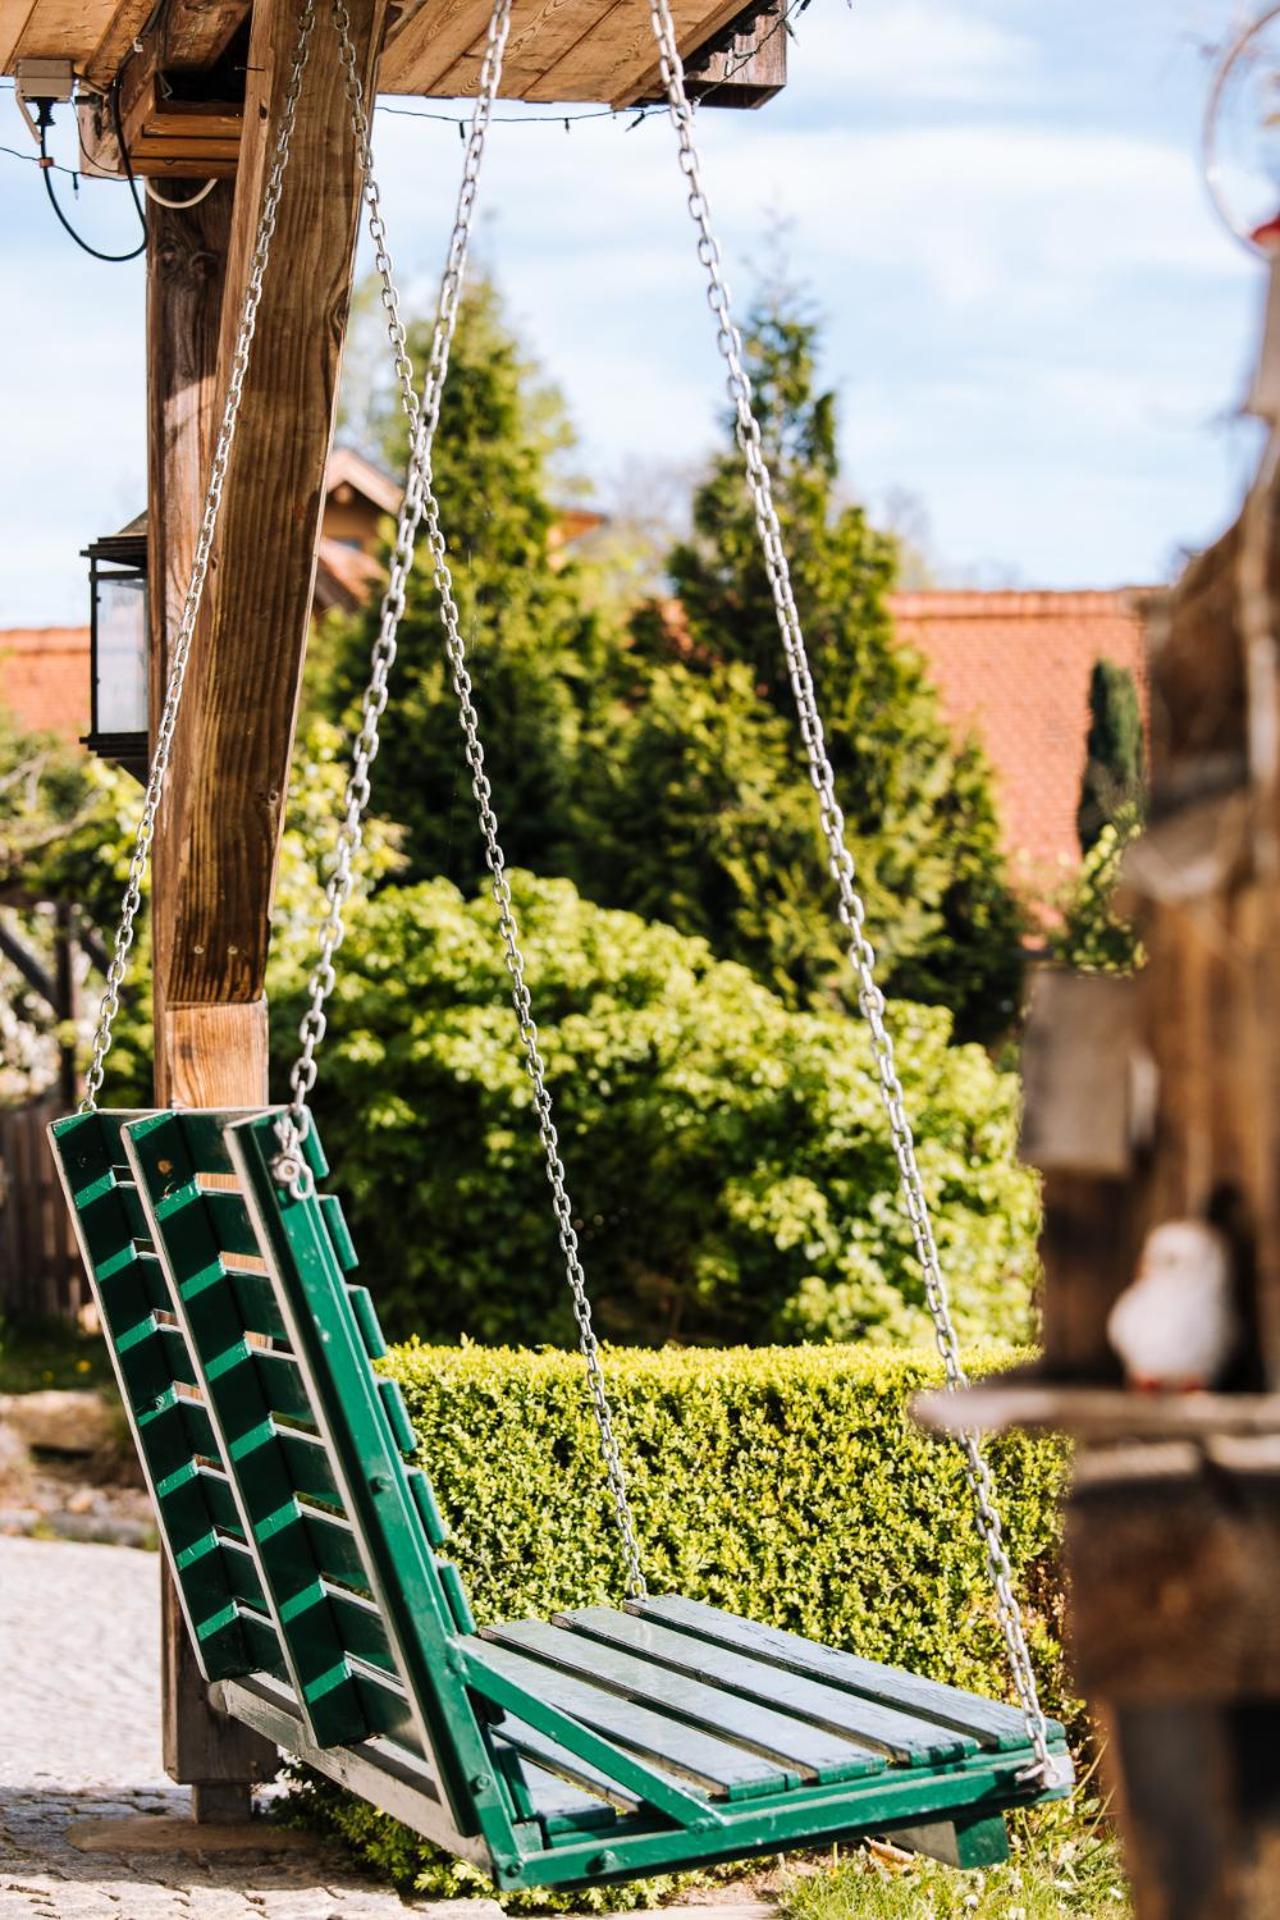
{"points": [[119, 645]]}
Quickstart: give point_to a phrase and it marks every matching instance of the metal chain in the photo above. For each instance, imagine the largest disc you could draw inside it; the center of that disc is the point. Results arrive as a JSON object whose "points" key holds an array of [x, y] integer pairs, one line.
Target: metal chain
{"points": [[420, 502], [850, 909], [163, 747]]}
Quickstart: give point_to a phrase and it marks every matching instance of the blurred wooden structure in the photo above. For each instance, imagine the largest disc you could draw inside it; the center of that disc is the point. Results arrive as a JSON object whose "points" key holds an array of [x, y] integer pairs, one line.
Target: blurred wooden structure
{"points": [[1151, 1099], [41, 1272]]}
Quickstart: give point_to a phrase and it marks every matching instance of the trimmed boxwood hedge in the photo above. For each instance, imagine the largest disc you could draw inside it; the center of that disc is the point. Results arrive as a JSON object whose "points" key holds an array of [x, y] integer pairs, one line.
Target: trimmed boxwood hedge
{"points": [[788, 1484]]}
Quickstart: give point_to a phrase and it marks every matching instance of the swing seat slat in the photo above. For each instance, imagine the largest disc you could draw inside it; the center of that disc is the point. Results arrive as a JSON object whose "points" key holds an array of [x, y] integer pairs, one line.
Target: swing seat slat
{"points": [[305, 1547]]}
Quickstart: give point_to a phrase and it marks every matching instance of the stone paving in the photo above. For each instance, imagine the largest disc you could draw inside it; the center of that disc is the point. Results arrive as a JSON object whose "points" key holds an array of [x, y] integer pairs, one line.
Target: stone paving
{"points": [[79, 1740]]}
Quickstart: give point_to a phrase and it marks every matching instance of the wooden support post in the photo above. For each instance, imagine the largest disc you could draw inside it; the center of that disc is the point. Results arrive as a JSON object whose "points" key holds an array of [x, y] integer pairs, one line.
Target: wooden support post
{"points": [[220, 823], [225, 805], [186, 267]]}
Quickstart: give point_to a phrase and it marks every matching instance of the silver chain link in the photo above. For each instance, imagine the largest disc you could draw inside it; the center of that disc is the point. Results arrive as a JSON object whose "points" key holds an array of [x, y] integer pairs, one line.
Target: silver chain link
{"points": [[850, 908], [420, 502], [162, 749]]}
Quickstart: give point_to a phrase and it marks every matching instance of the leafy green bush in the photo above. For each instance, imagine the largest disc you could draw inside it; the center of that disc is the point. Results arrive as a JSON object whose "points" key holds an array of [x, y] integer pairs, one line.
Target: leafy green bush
{"points": [[790, 1485], [729, 1158], [1091, 936]]}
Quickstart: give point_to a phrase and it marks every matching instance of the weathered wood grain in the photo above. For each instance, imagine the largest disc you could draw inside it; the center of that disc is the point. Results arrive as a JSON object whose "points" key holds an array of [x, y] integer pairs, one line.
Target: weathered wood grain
{"points": [[430, 41], [186, 271], [231, 752], [192, 34], [14, 15], [562, 49], [53, 29], [747, 70], [116, 40]]}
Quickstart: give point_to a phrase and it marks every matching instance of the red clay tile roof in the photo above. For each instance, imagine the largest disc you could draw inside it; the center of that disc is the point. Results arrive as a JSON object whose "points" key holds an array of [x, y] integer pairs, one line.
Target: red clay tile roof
{"points": [[44, 678], [1014, 668]]}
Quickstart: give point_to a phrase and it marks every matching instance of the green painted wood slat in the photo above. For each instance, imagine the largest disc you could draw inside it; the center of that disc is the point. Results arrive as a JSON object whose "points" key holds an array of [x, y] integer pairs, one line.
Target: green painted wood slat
{"points": [[995, 1726], [152, 1367], [904, 1736], [280, 1533], [342, 1392], [715, 1764], [789, 1742]]}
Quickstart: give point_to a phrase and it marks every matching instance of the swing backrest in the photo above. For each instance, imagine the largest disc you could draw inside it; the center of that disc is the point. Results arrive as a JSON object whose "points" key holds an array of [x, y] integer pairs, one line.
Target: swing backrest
{"points": [[303, 1545]]}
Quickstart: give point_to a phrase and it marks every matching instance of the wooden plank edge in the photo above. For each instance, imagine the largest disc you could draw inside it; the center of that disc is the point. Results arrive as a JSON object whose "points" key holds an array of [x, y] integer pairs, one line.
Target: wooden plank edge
{"points": [[1096, 1413]]}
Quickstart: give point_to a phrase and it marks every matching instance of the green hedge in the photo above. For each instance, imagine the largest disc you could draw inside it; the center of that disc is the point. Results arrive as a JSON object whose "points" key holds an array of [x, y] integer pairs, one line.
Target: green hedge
{"points": [[789, 1484]]}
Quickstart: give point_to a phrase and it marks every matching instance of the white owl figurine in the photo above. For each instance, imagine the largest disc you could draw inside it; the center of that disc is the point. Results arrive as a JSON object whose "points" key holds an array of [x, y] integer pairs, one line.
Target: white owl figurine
{"points": [[1177, 1325]]}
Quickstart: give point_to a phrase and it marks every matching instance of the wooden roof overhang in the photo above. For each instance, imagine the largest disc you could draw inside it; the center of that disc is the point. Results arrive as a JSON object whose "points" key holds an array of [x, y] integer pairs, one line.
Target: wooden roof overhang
{"points": [[179, 65]]}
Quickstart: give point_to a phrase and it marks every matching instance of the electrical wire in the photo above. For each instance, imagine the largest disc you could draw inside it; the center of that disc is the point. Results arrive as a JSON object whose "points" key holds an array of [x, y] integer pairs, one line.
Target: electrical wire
{"points": [[33, 160], [48, 169], [153, 192]]}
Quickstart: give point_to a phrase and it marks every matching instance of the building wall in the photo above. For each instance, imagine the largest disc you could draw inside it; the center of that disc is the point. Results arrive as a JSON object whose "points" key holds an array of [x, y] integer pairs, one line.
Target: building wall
{"points": [[44, 678], [1013, 668]]}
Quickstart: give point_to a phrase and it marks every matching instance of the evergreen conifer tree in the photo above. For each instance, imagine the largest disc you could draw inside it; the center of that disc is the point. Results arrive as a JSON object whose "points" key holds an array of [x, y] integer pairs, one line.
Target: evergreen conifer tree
{"points": [[533, 643], [699, 780], [1113, 787]]}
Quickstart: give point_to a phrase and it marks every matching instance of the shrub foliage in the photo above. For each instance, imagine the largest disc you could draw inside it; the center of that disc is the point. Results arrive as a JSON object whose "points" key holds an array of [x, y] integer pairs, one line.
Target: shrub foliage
{"points": [[729, 1158]]}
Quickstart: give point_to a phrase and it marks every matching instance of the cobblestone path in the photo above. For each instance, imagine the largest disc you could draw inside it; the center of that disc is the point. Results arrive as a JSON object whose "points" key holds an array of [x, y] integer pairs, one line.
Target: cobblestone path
{"points": [[80, 1740]]}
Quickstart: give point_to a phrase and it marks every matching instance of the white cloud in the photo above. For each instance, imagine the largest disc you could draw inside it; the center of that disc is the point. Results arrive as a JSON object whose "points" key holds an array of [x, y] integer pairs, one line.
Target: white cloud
{"points": [[900, 51]]}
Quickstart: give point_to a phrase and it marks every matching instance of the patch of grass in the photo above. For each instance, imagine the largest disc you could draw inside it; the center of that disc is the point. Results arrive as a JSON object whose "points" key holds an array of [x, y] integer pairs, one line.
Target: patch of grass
{"points": [[51, 1354], [1065, 1863]]}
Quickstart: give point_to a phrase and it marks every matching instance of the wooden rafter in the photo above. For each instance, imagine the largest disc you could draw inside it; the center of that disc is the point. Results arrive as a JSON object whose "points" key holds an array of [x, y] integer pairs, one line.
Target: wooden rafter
{"points": [[558, 49]]}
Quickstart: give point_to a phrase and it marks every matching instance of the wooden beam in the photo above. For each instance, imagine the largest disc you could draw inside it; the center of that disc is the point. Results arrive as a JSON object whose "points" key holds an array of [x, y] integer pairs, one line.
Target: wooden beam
{"points": [[116, 43], [188, 36], [186, 267], [428, 42], [1174, 1553], [186, 271], [224, 810], [1195, 1787], [194, 33], [633, 64], [744, 65], [165, 138], [14, 15]]}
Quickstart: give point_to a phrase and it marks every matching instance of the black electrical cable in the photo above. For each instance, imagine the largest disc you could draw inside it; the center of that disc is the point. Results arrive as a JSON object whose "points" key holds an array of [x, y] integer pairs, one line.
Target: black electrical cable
{"points": [[47, 168]]}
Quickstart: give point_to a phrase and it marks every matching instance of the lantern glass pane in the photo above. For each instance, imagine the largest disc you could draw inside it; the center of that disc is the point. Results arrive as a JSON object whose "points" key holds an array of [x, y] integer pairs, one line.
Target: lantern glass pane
{"points": [[122, 653]]}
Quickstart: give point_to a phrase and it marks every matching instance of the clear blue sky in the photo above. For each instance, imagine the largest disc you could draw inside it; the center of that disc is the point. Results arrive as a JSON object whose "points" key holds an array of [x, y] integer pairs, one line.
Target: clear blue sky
{"points": [[1032, 320]]}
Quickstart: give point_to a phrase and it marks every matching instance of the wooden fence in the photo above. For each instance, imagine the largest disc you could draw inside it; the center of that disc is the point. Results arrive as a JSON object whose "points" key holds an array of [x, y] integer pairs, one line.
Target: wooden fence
{"points": [[41, 1276]]}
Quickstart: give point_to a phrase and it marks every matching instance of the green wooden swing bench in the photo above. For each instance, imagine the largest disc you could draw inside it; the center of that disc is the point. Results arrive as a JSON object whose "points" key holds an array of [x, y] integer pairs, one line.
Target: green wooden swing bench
{"points": [[306, 1552], [306, 1547]]}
